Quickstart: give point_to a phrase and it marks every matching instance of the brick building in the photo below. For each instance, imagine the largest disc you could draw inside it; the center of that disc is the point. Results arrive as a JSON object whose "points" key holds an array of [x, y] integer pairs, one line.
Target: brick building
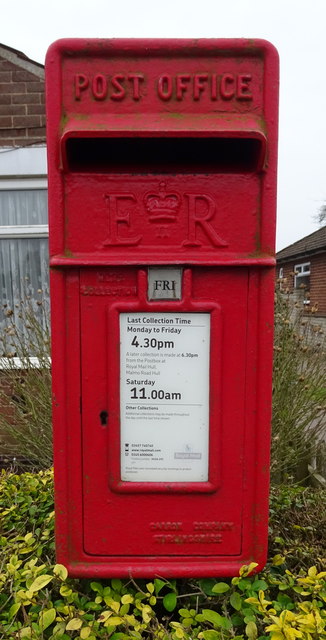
{"points": [[23, 182], [302, 270], [22, 108], [23, 190]]}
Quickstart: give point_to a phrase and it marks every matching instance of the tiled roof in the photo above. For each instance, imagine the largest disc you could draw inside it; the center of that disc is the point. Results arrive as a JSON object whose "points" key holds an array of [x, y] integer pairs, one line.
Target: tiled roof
{"points": [[313, 243], [20, 55]]}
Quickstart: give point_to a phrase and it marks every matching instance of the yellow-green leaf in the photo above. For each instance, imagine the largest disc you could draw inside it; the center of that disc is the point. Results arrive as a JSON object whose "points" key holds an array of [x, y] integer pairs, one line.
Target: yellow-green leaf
{"points": [[40, 582], [115, 606], [124, 609], [251, 631], [236, 601], [277, 635], [247, 569], [210, 634], [65, 591], [14, 609], [104, 616], [46, 617], [60, 571], [85, 632], [127, 599], [113, 621], [278, 560], [220, 587], [74, 624], [213, 617], [29, 537], [146, 614]]}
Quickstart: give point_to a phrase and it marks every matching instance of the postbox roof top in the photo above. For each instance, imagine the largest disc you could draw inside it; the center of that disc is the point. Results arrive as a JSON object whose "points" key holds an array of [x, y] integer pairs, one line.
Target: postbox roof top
{"points": [[95, 46]]}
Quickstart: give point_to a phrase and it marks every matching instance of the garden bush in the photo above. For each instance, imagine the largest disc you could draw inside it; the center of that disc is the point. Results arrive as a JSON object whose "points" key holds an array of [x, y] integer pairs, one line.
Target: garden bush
{"points": [[299, 390], [39, 601], [25, 391]]}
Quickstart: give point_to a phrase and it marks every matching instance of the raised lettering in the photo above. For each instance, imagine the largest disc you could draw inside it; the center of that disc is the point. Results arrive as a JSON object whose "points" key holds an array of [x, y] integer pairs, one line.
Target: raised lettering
{"points": [[200, 80], [181, 87], [136, 79], [214, 86], [164, 87], [118, 217], [107, 291], [99, 87], [120, 92], [198, 219], [213, 526], [227, 87], [188, 538], [165, 526], [81, 84], [243, 90], [181, 84]]}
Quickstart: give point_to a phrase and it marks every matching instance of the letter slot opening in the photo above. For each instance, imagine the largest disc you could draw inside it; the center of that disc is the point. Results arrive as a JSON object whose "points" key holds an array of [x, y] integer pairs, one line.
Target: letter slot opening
{"points": [[164, 155]]}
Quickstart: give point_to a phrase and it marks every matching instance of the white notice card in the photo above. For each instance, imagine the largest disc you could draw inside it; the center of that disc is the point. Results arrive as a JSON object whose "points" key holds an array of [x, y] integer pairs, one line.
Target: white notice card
{"points": [[164, 396]]}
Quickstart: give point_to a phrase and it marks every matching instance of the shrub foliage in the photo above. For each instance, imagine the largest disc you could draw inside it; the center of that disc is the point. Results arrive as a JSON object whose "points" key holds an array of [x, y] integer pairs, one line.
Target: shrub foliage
{"points": [[25, 392], [299, 391], [39, 601]]}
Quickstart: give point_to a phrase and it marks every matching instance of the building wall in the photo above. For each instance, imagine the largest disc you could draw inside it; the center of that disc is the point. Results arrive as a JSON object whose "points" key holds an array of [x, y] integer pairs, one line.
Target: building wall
{"points": [[22, 103], [317, 279], [22, 169], [318, 282], [7, 413]]}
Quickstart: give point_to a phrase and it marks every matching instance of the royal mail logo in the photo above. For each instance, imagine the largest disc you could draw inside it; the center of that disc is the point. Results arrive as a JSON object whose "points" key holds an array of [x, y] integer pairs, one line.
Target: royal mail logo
{"points": [[162, 206], [163, 209]]}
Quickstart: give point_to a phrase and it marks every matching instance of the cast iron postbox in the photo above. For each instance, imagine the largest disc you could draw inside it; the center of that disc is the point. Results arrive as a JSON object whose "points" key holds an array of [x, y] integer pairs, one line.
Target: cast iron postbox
{"points": [[162, 180]]}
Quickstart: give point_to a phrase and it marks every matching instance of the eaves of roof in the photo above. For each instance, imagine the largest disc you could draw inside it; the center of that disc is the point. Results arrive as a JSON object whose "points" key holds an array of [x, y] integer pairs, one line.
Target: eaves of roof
{"points": [[307, 246], [21, 60]]}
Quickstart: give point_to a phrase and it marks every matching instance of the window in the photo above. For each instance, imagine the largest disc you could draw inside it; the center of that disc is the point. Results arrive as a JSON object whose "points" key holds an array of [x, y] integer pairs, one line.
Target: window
{"points": [[302, 280], [23, 229], [280, 278]]}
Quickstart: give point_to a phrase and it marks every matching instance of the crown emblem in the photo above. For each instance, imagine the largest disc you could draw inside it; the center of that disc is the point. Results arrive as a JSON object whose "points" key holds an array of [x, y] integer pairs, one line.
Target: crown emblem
{"points": [[162, 206]]}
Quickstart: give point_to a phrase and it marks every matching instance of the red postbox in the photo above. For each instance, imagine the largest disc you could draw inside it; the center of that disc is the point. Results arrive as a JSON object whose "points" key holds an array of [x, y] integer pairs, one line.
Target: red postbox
{"points": [[162, 182]]}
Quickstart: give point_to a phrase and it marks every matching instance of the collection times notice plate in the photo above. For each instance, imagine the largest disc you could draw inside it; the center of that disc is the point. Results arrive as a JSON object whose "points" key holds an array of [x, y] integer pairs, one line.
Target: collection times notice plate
{"points": [[164, 396]]}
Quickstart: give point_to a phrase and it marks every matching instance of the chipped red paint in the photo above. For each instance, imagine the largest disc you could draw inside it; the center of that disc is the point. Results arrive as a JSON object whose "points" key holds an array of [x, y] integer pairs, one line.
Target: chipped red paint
{"points": [[161, 152]]}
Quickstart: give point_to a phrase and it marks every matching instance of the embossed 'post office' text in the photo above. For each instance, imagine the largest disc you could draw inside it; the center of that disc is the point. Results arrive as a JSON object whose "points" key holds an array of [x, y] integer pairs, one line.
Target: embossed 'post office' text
{"points": [[167, 87]]}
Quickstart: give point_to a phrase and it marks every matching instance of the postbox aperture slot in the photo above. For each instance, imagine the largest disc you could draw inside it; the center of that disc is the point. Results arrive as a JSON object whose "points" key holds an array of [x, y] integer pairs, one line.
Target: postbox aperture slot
{"points": [[163, 155]]}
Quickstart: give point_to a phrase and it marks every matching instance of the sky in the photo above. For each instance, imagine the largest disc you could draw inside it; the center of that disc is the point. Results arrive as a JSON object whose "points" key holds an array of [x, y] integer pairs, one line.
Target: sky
{"points": [[295, 27]]}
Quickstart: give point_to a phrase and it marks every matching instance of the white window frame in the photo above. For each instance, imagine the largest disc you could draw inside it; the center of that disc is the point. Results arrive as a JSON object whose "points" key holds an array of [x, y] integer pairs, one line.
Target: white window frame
{"points": [[23, 169], [24, 230], [7, 364], [280, 278], [300, 273]]}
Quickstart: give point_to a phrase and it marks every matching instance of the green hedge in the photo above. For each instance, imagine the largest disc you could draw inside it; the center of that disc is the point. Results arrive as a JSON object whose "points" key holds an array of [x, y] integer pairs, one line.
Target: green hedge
{"points": [[38, 600]]}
